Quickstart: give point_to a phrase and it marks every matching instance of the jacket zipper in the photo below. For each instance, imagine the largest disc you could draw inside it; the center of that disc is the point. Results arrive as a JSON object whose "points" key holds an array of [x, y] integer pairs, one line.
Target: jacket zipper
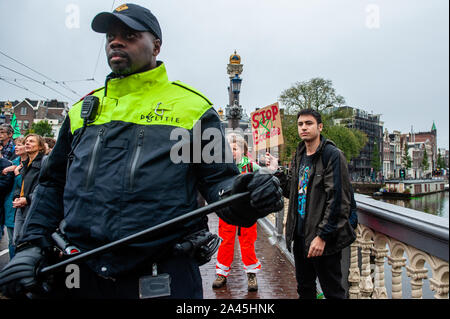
{"points": [[135, 159], [95, 151]]}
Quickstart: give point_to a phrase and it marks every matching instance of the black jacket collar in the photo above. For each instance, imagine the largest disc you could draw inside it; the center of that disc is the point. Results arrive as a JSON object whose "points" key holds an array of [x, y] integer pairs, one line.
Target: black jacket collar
{"points": [[301, 148]]}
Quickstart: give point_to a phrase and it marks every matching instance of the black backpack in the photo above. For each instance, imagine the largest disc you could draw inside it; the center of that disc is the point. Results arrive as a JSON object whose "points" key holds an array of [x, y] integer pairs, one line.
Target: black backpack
{"points": [[353, 217]]}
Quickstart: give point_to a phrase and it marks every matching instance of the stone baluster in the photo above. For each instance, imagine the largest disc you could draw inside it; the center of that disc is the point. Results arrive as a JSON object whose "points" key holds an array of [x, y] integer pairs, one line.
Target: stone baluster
{"points": [[366, 284], [397, 264], [379, 291], [353, 276], [440, 287], [417, 275], [439, 282]]}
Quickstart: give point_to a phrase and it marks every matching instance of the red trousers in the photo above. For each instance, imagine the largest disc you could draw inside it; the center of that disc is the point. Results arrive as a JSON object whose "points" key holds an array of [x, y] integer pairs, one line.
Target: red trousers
{"points": [[225, 254]]}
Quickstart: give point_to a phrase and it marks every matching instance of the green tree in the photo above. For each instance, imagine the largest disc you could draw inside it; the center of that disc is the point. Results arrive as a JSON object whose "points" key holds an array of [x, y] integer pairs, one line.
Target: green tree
{"points": [[424, 163], [42, 128], [320, 95], [290, 136], [406, 159], [440, 162], [376, 158], [350, 141], [316, 93]]}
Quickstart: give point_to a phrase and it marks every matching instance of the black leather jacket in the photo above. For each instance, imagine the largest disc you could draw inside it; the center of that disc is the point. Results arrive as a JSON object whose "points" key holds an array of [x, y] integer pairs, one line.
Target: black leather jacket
{"points": [[328, 199], [30, 178]]}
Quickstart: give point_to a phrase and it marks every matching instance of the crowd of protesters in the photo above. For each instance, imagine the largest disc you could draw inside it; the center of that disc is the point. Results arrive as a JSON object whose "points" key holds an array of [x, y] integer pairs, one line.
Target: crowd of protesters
{"points": [[21, 160]]}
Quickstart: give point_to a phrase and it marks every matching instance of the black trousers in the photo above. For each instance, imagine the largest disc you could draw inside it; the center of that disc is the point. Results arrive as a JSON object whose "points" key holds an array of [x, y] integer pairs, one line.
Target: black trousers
{"points": [[186, 282], [326, 268]]}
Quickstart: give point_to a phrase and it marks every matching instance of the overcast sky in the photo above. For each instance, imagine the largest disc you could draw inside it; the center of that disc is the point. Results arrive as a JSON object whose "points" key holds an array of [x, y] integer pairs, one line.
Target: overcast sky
{"points": [[386, 57]]}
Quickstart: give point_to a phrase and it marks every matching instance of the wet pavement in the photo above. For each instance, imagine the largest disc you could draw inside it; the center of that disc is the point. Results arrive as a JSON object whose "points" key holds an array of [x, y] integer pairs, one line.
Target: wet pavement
{"points": [[276, 279]]}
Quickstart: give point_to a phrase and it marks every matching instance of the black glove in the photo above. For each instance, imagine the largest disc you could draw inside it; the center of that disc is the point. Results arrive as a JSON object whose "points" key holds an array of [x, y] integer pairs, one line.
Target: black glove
{"points": [[200, 245], [19, 276], [266, 194], [265, 198]]}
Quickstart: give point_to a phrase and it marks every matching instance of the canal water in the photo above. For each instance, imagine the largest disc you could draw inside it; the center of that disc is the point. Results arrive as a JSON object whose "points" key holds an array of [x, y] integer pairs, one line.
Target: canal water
{"points": [[436, 203]]}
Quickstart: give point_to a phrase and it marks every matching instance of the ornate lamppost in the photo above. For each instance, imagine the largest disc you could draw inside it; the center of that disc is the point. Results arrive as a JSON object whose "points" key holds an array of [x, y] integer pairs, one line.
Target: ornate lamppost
{"points": [[233, 111]]}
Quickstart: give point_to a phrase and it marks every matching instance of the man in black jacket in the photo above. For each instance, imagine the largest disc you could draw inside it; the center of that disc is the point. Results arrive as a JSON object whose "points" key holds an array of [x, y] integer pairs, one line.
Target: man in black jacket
{"points": [[319, 192]]}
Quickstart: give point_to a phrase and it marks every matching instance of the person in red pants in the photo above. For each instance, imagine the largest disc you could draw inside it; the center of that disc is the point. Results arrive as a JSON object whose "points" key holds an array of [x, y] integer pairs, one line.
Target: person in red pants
{"points": [[246, 236]]}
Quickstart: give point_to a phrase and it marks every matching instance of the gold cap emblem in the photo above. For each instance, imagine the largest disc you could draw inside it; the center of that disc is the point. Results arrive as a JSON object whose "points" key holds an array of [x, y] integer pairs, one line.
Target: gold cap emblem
{"points": [[121, 8]]}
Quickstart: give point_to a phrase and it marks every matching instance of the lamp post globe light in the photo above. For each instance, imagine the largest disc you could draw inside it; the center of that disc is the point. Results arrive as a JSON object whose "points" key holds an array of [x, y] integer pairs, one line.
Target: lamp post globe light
{"points": [[236, 84], [235, 110]]}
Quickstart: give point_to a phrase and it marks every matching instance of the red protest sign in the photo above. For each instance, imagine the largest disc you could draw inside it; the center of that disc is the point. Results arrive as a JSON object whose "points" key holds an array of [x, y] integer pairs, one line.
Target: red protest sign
{"points": [[266, 127]]}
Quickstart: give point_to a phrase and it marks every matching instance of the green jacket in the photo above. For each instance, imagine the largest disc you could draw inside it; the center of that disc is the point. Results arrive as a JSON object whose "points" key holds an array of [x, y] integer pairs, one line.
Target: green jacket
{"points": [[246, 166]]}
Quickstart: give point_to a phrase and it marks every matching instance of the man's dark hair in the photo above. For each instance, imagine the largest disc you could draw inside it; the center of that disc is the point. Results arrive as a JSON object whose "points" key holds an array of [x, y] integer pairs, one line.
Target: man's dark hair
{"points": [[50, 141], [312, 112]]}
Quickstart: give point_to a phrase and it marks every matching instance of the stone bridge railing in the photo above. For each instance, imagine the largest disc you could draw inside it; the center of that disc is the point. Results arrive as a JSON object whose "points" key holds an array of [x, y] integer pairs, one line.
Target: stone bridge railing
{"points": [[388, 235]]}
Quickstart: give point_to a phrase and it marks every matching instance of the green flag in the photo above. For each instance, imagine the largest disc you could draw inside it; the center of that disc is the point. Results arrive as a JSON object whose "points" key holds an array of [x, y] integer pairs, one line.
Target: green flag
{"points": [[15, 127]]}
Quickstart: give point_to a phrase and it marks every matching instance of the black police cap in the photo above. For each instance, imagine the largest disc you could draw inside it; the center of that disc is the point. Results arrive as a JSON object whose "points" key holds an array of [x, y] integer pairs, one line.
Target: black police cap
{"points": [[134, 16]]}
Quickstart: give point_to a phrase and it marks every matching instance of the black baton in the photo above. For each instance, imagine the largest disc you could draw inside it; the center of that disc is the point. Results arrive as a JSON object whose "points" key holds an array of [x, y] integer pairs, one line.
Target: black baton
{"points": [[205, 210]]}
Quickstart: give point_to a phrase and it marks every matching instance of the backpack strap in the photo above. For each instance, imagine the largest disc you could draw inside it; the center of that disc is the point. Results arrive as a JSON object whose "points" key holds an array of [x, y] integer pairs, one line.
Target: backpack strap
{"points": [[353, 217], [326, 154]]}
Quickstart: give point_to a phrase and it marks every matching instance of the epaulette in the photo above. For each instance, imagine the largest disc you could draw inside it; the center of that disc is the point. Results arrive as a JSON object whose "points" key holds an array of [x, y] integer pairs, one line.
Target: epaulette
{"points": [[191, 89], [90, 93]]}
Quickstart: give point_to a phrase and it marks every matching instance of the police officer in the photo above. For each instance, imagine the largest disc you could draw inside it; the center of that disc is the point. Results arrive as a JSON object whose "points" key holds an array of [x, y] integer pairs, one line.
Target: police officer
{"points": [[113, 173]]}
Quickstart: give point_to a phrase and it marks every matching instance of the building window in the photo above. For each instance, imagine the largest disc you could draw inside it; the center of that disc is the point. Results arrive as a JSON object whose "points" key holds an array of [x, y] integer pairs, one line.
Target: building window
{"points": [[19, 122], [26, 125], [23, 110]]}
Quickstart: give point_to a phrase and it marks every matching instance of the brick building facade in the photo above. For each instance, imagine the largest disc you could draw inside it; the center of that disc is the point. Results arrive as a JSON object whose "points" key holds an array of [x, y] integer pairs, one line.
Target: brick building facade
{"points": [[32, 111]]}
